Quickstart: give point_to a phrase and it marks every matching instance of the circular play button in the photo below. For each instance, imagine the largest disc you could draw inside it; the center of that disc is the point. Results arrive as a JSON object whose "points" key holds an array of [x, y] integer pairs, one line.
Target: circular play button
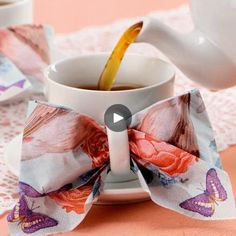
{"points": [[117, 117]]}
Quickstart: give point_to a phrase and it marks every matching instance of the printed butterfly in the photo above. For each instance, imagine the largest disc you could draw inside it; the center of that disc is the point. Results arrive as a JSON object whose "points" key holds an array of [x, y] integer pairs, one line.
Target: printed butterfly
{"points": [[204, 203], [19, 84], [29, 191], [30, 221]]}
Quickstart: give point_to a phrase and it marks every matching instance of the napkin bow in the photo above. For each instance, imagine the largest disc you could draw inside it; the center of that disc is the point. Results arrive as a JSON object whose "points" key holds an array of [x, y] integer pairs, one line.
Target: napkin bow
{"points": [[65, 159]]}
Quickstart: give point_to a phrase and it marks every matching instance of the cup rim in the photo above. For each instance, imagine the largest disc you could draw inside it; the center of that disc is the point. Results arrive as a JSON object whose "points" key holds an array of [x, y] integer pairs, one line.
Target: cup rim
{"points": [[13, 4], [48, 68]]}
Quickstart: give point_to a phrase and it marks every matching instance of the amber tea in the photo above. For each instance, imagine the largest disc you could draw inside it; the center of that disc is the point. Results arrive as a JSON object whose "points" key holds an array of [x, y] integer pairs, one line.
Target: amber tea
{"points": [[116, 87], [107, 77]]}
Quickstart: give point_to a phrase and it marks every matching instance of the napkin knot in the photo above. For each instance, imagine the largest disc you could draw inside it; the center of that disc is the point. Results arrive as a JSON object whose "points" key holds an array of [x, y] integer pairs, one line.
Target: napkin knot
{"points": [[65, 161]]}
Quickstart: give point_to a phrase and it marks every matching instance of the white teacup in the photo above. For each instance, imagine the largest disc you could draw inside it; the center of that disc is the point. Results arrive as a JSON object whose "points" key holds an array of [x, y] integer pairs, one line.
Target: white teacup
{"points": [[15, 12], [65, 77]]}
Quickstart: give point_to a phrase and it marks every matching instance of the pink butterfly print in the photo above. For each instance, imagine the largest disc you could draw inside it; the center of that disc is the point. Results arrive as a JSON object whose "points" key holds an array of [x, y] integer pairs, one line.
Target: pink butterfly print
{"points": [[70, 131], [27, 47], [204, 203], [29, 221], [170, 122]]}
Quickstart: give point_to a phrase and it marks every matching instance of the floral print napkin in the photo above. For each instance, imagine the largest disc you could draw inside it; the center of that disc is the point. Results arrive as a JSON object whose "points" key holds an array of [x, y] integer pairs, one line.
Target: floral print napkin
{"points": [[65, 160], [24, 53]]}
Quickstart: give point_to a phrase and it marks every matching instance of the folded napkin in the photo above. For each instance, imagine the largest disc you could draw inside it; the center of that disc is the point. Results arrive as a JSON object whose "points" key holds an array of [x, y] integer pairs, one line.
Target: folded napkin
{"points": [[24, 53], [65, 160]]}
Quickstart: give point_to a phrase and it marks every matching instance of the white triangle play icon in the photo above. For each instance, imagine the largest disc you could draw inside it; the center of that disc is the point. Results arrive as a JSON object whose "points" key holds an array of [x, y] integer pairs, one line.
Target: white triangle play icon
{"points": [[117, 118]]}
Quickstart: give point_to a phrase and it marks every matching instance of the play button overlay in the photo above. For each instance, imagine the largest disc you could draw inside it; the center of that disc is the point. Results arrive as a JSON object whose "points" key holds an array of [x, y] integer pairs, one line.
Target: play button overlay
{"points": [[117, 117]]}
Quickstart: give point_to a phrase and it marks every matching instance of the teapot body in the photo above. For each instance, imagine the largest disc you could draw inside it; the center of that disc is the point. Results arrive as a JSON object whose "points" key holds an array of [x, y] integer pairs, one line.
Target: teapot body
{"points": [[216, 19], [206, 55]]}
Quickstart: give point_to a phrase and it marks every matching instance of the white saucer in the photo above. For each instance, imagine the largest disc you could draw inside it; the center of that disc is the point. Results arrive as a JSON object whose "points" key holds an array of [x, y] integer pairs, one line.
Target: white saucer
{"points": [[114, 192]]}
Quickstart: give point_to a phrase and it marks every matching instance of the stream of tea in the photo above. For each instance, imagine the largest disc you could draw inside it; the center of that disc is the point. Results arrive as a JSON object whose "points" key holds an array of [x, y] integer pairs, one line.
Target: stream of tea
{"points": [[108, 75]]}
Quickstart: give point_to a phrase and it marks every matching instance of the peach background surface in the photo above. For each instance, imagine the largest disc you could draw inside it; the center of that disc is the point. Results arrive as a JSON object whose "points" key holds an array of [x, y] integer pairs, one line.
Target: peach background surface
{"points": [[71, 15]]}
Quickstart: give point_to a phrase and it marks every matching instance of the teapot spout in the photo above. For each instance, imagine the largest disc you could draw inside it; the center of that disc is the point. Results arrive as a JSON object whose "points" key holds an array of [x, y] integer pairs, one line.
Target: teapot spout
{"points": [[194, 54], [162, 37]]}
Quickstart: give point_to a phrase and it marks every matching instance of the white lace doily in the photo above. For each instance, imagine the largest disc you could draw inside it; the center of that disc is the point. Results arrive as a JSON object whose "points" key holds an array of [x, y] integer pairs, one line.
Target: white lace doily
{"points": [[221, 105]]}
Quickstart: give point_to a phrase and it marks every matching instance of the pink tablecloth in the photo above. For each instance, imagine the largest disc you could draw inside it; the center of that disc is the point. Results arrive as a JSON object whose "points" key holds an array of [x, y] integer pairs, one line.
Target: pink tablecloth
{"points": [[220, 105]]}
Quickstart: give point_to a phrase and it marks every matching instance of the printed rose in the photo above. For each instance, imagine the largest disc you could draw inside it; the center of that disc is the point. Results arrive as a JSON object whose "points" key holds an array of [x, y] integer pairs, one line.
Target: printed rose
{"points": [[170, 121], [168, 158], [73, 199], [96, 146]]}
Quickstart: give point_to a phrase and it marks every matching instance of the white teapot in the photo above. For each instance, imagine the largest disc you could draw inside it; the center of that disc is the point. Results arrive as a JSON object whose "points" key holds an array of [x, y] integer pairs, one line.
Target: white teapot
{"points": [[208, 54]]}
